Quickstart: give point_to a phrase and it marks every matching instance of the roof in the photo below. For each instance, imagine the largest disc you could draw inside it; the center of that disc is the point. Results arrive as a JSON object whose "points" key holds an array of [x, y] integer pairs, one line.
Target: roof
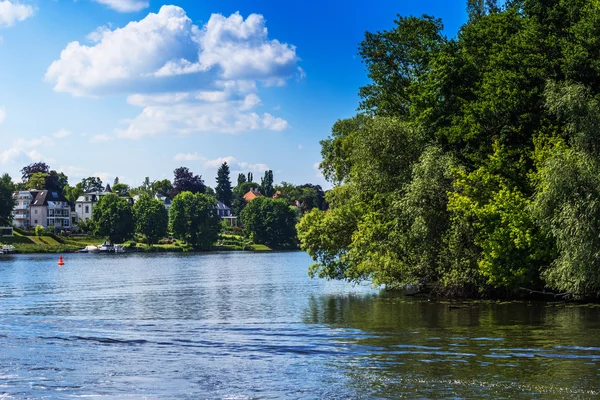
{"points": [[222, 206], [44, 196], [252, 195]]}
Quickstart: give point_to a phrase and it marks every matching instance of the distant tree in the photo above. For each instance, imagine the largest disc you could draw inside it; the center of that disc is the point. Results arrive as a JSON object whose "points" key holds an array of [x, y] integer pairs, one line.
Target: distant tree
{"points": [[151, 219], [163, 187], [241, 179], [223, 189], [186, 181], [238, 202], [121, 189], [37, 180], [113, 218], [193, 217], [56, 181], [250, 177], [116, 181], [147, 188], [6, 200], [92, 184], [72, 193], [210, 191], [320, 201], [270, 222], [31, 169], [266, 184]]}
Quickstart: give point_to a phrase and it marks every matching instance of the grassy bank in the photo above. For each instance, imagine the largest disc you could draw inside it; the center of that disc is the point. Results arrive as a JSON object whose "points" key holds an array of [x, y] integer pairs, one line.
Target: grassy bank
{"points": [[26, 244]]}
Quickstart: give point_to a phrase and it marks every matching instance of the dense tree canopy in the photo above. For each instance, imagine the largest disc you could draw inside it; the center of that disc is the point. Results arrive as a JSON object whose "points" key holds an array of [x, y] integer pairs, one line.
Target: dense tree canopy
{"points": [[271, 222], [151, 219], [112, 218], [193, 217], [186, 181], [472, 167], [92, 184]]}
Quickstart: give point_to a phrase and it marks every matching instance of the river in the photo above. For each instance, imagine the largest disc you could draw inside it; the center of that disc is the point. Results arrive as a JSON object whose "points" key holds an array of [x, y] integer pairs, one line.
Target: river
{"points": [[253, 325]]}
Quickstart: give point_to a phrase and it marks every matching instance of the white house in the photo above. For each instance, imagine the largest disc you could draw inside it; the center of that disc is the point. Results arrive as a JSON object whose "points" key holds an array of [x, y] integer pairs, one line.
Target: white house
{"points": [[84, 205], [20, 213]]}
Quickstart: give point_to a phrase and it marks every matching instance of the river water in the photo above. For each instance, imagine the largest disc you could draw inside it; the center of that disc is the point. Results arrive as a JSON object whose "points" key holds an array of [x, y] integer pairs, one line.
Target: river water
{"points": [[246, 325]]}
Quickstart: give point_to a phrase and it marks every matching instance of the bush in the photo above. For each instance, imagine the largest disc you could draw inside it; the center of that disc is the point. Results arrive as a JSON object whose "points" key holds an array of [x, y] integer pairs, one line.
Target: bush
{"points": [[39, 230]]}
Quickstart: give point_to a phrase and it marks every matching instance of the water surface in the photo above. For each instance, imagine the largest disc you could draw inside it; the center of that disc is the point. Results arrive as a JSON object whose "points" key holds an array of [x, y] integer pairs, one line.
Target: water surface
{"points": [[246, 325]]}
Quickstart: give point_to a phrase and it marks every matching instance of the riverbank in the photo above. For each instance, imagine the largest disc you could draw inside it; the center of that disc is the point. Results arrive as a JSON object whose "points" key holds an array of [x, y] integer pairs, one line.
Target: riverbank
{"points": [[69, 244]]}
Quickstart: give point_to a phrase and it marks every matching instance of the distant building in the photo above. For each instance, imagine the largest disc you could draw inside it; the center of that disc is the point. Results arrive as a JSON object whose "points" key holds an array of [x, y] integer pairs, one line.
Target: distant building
{"points": [[226, 214], [20, 213], [252, 194], [41, 207], [84, 205]]}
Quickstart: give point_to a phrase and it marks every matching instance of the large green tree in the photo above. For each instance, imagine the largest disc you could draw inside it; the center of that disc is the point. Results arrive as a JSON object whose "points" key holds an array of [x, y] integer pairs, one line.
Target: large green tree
{"points": [[193, 217], [271, 222], [223, 190], [151, 219], [471, 168], [113, 218]]}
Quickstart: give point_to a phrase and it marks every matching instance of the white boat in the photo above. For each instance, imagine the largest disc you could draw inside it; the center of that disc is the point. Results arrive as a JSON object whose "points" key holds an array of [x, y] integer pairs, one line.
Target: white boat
{"points": [[90, 249]]}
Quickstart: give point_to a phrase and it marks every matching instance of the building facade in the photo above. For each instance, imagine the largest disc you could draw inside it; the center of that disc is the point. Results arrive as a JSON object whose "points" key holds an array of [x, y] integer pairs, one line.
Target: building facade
{"points": [[46, 208]]}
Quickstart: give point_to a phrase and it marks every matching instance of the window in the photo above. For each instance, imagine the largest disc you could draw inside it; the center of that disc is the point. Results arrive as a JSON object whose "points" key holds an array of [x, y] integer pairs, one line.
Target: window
{"points": [[35, 212], [87, 209], [35, 222], [79, 205]]}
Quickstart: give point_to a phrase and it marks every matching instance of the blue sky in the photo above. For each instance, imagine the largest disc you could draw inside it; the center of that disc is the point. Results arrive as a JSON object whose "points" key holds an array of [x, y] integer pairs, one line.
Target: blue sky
{"points": [[136, 88]]}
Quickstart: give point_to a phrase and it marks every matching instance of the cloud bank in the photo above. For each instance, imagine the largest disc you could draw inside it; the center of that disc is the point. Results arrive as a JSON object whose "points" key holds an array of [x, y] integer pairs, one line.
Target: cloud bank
{"points": [[186, 78]]}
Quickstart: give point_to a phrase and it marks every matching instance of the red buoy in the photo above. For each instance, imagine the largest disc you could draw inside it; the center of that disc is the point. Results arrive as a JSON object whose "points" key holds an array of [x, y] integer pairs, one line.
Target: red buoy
{"points": [[60, 261]]}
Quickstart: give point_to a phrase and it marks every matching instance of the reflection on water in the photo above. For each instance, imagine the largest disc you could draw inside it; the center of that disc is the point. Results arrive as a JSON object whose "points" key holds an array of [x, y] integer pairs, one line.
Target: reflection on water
{"points": [[243, 325], [499, 349]]}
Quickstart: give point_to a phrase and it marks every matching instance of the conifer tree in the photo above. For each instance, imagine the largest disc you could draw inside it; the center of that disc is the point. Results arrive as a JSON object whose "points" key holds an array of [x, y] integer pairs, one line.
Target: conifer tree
{"points": [[223, 189]]}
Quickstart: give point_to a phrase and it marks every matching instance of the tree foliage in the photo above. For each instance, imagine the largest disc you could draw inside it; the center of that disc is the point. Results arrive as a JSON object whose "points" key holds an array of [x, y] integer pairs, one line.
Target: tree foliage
{"points": [[186, 181], [112, 218], [151, 219], [223, 190], [6, 199], [270, 222], [92, 184], [472, 167], [193, 217], [266, 184]]}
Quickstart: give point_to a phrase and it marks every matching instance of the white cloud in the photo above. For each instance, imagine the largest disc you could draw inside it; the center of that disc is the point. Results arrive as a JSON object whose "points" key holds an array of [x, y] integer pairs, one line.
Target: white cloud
{"points": [[185, 78], [236, 165], [63, 133], [24, 151], [73, 171], [2, 114], [189, 157], [166, 45], [12, 12], [300, 147], [100, 138], [124, 5]]}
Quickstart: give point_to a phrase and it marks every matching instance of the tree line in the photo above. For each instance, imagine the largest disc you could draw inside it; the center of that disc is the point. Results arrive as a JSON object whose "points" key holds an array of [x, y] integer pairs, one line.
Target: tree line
{"points": [[193, 215], [473, 165]]}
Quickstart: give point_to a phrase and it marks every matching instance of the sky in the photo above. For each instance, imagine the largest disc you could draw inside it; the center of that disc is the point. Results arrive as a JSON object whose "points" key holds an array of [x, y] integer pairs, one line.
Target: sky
{"points": [[137, 88]]}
